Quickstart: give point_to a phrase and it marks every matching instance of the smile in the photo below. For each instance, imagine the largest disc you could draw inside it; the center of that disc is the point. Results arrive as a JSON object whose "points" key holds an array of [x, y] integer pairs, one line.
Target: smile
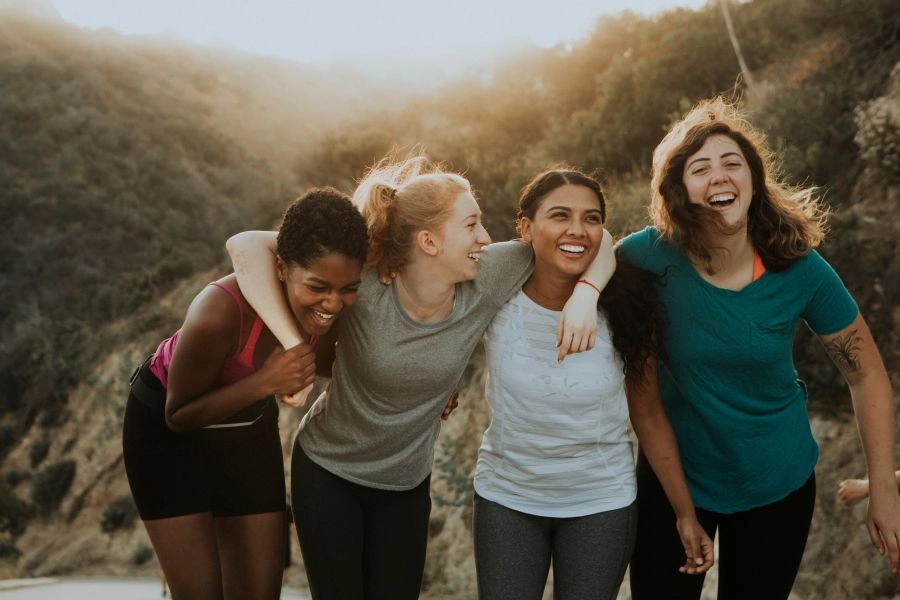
{"points": [[325, 318], [474, 256], [722, 200], [572, 248]]}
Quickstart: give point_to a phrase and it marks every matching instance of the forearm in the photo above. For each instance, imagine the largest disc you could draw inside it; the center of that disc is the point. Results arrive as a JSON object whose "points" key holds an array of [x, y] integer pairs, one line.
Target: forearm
{"points": [[253, 258], [873, 404], [603, 266], [657, 442], [187, 414]]}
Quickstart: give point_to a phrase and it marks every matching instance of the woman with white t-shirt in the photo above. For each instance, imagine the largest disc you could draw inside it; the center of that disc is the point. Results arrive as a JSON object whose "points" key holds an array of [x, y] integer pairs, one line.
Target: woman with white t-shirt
{"points": [[555, 477]]}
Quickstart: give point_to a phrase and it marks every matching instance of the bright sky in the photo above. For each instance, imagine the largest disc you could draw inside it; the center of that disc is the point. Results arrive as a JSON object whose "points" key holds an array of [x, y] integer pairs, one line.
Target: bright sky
{"points": [[326, 30]]}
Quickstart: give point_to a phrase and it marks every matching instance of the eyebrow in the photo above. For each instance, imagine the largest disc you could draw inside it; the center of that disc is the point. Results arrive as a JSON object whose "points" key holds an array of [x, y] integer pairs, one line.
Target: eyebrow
{"points": [[567, 209], [703, 158]]}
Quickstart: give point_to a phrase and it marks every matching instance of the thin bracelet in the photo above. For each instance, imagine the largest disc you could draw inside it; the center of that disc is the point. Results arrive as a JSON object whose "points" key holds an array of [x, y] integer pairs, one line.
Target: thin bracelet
{"points": [[590, 284]]}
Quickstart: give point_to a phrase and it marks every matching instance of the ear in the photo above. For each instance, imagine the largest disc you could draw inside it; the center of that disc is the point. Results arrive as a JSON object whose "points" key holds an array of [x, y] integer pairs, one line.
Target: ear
{"points": [[281, 269], [428, 243], [525, 229]]}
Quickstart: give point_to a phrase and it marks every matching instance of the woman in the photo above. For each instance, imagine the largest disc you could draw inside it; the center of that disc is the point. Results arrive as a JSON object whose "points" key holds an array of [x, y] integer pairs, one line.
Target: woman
{"points": [[201, 443], [362, 459], [555, 474], [737, 250]]}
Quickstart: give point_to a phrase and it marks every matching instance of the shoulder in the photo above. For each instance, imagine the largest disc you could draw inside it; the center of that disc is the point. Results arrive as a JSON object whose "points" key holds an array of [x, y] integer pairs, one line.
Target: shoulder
{"points": [[215, 312], [646, 248]]}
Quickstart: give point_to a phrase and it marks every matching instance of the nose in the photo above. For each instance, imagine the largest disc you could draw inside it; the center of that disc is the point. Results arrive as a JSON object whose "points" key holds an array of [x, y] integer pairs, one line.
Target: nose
{"points": [[482, 236], [718, 176], [333, 303], [576, 228]]}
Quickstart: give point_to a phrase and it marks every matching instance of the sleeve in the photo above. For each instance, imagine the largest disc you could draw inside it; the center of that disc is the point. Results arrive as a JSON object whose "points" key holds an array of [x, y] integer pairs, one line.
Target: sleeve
{"points": [[503, 268], [635, 248], [830, 307]]}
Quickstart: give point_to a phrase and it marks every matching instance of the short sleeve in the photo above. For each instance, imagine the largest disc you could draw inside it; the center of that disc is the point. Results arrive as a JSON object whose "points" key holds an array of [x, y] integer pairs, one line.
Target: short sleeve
{"points": [[503, 268], [830, 307], [638, 249]]}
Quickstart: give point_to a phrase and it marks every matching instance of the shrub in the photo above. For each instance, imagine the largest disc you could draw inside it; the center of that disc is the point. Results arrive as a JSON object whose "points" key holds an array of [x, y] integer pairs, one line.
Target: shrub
{"points": [[878, 136], [120, 514], [38, 451], [141, 555], [51, 485]]}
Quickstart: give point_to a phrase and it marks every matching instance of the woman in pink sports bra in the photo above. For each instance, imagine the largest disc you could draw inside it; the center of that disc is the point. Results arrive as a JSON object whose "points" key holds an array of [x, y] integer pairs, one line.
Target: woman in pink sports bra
{"points": [[200, 436]]}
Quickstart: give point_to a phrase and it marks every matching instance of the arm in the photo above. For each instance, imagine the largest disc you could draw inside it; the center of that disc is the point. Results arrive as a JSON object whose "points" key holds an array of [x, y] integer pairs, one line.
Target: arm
{"points": [[207, 338], [657, 441], [253, 257], [854, 352], [577, 329]]}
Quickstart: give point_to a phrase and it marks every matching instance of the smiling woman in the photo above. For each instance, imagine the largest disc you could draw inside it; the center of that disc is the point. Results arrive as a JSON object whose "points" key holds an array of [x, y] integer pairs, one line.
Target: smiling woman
{"points": [[200, 437], [736, 248]]}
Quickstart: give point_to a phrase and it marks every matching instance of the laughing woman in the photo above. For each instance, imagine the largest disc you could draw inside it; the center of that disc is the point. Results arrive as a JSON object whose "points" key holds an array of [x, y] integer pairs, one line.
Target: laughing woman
{"points": [[201, 444], [736, 248]]}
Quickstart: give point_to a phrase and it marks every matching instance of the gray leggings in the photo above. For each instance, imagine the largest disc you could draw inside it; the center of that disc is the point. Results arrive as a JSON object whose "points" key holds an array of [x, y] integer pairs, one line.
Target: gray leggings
{"points": [[513, 551]]}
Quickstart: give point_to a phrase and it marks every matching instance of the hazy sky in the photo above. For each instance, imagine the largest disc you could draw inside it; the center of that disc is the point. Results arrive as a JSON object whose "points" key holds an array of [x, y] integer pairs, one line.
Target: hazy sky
{"points": [[325, 30]]}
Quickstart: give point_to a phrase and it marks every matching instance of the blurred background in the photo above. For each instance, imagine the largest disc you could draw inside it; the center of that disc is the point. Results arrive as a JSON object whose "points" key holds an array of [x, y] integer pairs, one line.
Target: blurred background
{"points": [[132, 145]]}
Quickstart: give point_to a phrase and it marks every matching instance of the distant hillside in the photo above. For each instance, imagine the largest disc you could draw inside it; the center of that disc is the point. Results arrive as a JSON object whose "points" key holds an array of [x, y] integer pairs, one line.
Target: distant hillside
{"points": [[127, 162]]}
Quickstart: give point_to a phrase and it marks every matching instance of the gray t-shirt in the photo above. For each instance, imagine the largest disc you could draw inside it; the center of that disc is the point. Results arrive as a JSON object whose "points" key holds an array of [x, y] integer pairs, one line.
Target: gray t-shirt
{"points": [[378, 421]]}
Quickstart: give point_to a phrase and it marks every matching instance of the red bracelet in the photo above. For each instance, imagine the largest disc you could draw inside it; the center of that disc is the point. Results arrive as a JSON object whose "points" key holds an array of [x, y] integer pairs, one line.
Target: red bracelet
{"points": [[590, 284]]}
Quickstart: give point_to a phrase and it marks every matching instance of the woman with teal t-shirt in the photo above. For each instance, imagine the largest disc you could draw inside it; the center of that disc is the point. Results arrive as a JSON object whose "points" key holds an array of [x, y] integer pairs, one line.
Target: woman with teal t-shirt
{"points": [[737, 251]]}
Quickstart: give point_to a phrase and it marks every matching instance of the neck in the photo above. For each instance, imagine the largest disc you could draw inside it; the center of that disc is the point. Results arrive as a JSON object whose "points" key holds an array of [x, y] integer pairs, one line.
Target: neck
{"points": [[425, 299], [551, 291]]}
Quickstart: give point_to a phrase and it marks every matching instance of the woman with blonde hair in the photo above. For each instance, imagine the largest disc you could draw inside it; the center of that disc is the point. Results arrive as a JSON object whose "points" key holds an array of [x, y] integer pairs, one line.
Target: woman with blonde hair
{"points": [[363, 454], [736, 247]]}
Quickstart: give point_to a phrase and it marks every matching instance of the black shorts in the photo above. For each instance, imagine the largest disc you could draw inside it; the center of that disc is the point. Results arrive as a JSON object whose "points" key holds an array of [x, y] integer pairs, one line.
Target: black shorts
{"points": [[230, 472]]}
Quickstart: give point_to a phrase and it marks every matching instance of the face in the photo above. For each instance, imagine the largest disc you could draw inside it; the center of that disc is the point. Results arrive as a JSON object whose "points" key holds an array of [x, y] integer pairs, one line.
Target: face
{"points": [[566, 231], [319, 293], [461, 239], [718, 177]]}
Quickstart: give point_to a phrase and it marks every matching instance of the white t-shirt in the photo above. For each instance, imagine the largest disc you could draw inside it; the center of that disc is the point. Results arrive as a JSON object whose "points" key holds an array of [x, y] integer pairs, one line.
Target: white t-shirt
{"points": [[557, 445]]}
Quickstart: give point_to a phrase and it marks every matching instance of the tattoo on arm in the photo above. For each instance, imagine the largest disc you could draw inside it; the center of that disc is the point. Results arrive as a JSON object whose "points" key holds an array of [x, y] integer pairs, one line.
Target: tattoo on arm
{"points": [[844, 351]]}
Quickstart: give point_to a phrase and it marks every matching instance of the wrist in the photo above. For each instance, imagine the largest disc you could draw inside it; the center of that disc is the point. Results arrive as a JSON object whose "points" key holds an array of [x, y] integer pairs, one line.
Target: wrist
{"points": [[589, 284]]}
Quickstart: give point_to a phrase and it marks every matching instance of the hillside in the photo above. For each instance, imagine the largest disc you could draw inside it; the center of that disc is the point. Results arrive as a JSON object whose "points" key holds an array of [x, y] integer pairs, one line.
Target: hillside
{"points": [[126, 162]]}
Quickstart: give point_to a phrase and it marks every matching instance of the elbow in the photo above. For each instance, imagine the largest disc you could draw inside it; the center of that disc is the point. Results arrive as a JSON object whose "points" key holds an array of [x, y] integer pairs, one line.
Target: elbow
{"points": [[175, 420]]}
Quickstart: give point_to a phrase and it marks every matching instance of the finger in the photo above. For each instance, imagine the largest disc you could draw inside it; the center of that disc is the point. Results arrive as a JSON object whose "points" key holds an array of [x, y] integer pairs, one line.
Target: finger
{"points": [[592, 341], [560, 327], [875, 536]]}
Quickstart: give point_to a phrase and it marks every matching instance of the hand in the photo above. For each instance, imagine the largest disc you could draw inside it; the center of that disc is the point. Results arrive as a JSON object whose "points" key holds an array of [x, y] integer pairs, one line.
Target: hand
{"points": [[698, 548], [883, 523], [287, 372], [297, 400], [577, 330], [452, 403], [851, 491]]}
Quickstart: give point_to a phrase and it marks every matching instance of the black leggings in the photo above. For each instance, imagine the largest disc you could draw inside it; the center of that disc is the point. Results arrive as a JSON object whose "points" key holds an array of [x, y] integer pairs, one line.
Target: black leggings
{"points": [[759, 549], [358, 542]]}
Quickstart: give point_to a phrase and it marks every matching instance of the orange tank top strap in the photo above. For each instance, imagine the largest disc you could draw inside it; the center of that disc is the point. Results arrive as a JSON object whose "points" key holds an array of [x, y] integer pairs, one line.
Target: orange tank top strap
{"points": [[758, 266]]}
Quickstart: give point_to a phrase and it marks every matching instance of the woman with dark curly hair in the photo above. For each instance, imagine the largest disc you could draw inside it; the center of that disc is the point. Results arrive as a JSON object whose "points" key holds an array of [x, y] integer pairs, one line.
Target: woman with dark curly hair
{"points": [[555, 477], [200, 437], [736, 249]]}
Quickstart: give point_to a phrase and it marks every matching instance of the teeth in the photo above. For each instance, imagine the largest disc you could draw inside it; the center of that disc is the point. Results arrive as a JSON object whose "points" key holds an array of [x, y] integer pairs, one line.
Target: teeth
{"points": [[720, 198], [474, 256], [323, 316], [571, 248]]}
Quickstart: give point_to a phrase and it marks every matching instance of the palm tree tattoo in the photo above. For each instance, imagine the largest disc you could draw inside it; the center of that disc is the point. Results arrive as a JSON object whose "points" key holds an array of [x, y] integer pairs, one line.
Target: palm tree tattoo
{"points": [[844, 351]]}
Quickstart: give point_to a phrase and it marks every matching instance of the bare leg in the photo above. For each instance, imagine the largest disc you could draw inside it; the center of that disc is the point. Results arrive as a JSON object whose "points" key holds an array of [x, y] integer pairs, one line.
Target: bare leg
{"points": [[251, 548], [188, 554]]}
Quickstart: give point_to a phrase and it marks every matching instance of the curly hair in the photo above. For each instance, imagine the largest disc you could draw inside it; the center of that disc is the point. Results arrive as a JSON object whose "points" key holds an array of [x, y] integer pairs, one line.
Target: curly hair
{"points": [[630, 300], [399, 198], [784, 222], [321, 221]]}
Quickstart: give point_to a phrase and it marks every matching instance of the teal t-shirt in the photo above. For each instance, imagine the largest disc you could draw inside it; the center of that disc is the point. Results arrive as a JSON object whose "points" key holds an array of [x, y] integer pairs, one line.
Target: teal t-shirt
{"points": [[727, 373]]}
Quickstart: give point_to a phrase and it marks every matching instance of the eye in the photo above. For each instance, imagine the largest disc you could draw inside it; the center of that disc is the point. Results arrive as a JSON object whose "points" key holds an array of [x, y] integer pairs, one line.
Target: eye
{"points": [[558, 216], [593, 219], [318, 289]]}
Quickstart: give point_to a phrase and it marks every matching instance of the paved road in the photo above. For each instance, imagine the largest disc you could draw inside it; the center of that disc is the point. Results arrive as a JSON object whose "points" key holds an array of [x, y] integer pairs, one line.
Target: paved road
{"points": [[92, 589]]}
